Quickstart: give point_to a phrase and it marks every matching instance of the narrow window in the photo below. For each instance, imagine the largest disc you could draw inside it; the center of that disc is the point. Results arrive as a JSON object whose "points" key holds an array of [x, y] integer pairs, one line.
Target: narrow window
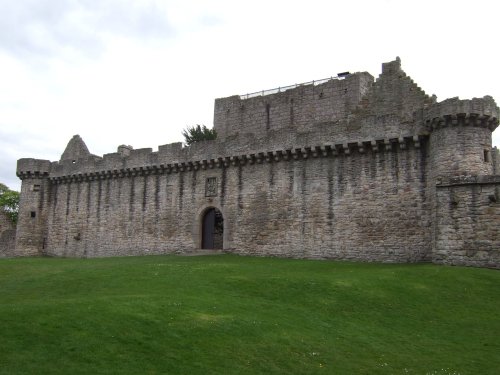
{"points": [[36, 187], [268, 119], [486, 156], [33, 214]]}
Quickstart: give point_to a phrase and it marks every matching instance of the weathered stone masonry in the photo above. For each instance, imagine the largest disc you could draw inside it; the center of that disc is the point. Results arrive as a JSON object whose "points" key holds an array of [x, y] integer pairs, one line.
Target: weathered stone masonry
{"points": [[7, 235], [347, 168]]}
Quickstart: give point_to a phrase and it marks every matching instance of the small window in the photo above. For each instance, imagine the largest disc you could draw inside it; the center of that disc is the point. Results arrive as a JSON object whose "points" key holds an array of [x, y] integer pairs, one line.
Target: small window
{"points": [[33, 214], [268, 116], [36, 187], [486, 154]]}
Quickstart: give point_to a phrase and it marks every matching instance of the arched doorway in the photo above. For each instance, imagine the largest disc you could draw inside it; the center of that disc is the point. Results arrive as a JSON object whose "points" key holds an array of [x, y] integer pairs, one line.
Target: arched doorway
{"points": [[212, 229]]}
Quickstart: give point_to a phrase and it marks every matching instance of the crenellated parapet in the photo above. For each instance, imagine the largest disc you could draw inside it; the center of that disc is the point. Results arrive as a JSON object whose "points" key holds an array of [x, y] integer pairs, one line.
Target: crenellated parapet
{"points": [[460, 136], [33, 168], [168, 160], [478, 112]]}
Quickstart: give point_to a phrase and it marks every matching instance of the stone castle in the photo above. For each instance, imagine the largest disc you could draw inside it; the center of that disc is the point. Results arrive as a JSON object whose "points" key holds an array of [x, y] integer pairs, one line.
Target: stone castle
{"points": [[345, 168]]}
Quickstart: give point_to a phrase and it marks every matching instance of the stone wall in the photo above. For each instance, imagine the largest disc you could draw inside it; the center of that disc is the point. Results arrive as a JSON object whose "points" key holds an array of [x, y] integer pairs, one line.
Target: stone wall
{"points": [[295, 108], [345, 169], [468, 221], [357, 205], [364, 206], [495, 156], [354, 108], [7, 236]]}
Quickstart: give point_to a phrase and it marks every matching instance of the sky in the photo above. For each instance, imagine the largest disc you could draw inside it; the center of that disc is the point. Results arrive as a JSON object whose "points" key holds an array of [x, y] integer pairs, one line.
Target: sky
{"points": [[137, 72]]}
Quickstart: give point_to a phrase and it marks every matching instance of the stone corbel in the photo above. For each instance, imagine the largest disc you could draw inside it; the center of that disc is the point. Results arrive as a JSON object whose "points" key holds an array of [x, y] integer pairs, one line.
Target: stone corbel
{"points": [[324, 150], [345, 148], [268, 157], [361, 148], [335, 151], [416, 141], [402, 143], [314, 152]]}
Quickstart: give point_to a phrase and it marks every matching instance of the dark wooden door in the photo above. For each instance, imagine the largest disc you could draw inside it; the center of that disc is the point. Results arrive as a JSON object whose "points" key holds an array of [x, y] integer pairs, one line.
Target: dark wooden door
{"points": [[207, 241]]}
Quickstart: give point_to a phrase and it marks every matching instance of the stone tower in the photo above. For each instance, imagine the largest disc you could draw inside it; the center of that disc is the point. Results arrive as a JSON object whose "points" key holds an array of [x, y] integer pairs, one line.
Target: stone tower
{"points": [[33, 207], [31, 233], [460, 136]]}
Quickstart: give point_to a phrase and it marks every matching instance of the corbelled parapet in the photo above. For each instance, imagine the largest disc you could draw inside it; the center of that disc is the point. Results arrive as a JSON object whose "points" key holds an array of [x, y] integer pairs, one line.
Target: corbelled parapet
{"points": [[281, 144], [460, 136], [32, 167], [482, 112]]}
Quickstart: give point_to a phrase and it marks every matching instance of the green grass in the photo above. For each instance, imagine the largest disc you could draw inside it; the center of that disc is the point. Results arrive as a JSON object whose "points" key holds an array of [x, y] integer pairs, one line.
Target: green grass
{"points": [[242, 315]]}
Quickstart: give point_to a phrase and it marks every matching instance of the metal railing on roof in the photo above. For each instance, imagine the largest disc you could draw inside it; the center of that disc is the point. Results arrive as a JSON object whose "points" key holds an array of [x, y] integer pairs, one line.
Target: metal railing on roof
{"points": [[285, 88]]}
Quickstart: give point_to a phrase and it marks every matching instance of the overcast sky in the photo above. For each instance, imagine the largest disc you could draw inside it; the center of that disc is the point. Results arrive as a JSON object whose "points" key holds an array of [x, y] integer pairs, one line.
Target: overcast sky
{"points": [[139, 71]]}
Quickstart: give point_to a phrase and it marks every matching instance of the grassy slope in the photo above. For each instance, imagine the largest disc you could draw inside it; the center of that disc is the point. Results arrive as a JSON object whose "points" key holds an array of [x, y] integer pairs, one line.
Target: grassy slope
{"points": [[242, 315]]}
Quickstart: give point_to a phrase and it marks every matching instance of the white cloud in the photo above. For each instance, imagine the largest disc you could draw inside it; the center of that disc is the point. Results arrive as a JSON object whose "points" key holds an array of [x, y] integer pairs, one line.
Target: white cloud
{"points": [[138, 72]]}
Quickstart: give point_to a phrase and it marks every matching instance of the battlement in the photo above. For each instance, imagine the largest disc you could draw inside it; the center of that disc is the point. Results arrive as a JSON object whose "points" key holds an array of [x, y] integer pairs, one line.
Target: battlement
{"points": [[174, 157], [477, 112], [29, 167]]}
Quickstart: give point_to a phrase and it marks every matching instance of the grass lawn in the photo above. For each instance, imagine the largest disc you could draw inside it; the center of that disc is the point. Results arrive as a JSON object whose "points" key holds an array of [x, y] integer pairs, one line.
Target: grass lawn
{"points": [[226, 314]]}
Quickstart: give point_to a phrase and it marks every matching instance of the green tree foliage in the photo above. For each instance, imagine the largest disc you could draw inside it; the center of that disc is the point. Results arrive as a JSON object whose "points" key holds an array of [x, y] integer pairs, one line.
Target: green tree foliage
{"points": [[198, 133], [9, 202]]}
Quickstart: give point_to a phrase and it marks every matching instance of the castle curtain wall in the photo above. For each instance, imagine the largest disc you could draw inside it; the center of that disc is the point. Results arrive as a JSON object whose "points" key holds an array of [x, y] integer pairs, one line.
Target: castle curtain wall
{"points": [[369, 206], [356, 205], [123, 215]]}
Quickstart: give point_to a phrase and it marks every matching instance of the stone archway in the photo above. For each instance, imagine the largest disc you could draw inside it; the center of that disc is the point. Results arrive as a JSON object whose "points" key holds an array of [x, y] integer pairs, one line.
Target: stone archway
{"points": [[212, 229]]}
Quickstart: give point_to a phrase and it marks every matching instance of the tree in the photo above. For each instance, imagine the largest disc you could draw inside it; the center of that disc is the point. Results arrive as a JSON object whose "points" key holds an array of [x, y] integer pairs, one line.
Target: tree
{"points": [[9, 202], [198, 133]]}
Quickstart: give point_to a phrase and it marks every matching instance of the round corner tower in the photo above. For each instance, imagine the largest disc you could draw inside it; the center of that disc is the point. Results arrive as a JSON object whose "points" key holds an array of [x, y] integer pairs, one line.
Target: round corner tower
{"points": [[460, 136], [32, 218]]}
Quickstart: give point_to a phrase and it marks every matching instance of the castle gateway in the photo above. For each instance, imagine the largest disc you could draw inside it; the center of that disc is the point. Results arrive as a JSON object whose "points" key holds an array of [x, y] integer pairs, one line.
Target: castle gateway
{"points": [[345, 168]]}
